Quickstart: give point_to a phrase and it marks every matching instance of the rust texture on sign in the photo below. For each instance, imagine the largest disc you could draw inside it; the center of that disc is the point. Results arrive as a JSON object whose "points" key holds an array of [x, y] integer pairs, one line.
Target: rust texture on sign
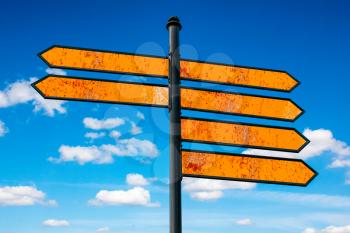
{"points": [[101, 91], [222, 102], [239, 134], [235, 75], [116, 62], [246, 168], [72, 58], [203, 100]]}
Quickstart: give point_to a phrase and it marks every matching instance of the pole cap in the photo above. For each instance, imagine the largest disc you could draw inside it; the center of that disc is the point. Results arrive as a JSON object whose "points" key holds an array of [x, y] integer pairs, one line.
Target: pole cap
{"points": [[174, 20]]}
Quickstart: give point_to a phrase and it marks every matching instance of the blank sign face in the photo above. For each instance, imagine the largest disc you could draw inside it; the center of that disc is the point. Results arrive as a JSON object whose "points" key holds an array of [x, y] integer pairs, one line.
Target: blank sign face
{"points": [[239, 134], [246, 168]]}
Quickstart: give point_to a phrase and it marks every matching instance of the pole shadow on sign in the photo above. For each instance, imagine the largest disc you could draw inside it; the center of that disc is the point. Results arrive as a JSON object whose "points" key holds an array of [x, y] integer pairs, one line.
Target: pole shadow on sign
{"points": [[193, 163]]}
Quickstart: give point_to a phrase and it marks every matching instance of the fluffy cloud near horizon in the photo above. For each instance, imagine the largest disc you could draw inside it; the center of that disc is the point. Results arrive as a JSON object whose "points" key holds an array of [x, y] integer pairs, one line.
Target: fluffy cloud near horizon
{"points": [[309, 230], [96, 124], [23, 196], [21, 92], [136, 196], [56, 223], [207, 189], [244, 222], [103, 154], [329, 229], [3, 129], [103, 229]]}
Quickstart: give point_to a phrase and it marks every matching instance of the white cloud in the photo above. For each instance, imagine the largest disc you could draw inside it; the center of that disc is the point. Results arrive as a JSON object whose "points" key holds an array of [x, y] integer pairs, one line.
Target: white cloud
{"points": [[136, 180], [21, 92], [3, 129], [135, 129], [103, 229], [329, 229], [335, 229], [83, 155], [23, 196], [140, 115], [309, 230], [134, 196], [321, 141], [94, 135], [207, 189], [115, 134], [132, 147], [340, 163], [56, 71], [96, 124], [245, 221], [206, 195], [56, 223], [104, 154]]}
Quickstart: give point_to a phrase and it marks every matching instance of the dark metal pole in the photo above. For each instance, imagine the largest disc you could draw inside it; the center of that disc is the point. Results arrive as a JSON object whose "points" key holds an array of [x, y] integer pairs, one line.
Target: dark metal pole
{"points": [[174, 27]]}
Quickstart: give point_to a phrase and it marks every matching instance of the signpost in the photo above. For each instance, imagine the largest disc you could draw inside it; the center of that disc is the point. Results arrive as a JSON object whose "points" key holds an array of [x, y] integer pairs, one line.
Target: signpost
{"points": [[174, 27], [175, 97]]}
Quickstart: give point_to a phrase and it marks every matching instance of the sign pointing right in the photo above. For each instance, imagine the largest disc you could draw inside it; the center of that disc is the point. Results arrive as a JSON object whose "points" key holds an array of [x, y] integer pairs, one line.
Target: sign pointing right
{"points": [[242, 134], [249, 168]]}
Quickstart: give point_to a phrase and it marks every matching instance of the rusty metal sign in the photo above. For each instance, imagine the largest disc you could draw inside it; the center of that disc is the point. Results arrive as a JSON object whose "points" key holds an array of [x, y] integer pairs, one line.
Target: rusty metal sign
{"points": [[250, 168], [242, 134], [240, 104], [97, 90], [145, 65], [65, 88]]}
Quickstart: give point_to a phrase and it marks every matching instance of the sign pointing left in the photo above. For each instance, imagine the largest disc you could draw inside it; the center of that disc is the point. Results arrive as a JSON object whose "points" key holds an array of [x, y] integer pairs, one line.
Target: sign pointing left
{"points": [[64, 88]]}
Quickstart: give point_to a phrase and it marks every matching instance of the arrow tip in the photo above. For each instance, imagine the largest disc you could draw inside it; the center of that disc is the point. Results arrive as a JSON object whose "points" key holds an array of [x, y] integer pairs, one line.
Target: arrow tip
{"points": [[311, 174], [300, 140], [36, 86], [293, 110], [292, 82], [49, 54]]}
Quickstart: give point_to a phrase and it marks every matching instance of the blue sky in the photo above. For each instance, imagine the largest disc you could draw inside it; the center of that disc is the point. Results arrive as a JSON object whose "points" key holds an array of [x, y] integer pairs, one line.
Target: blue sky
{"points": [[55, 178]]}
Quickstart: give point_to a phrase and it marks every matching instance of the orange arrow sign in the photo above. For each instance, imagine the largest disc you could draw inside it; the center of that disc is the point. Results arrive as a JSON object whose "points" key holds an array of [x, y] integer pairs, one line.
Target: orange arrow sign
{"points": [[58, 87], [246, 168], [126, 63], [241, 134], [240, 104], [61, 87]]}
